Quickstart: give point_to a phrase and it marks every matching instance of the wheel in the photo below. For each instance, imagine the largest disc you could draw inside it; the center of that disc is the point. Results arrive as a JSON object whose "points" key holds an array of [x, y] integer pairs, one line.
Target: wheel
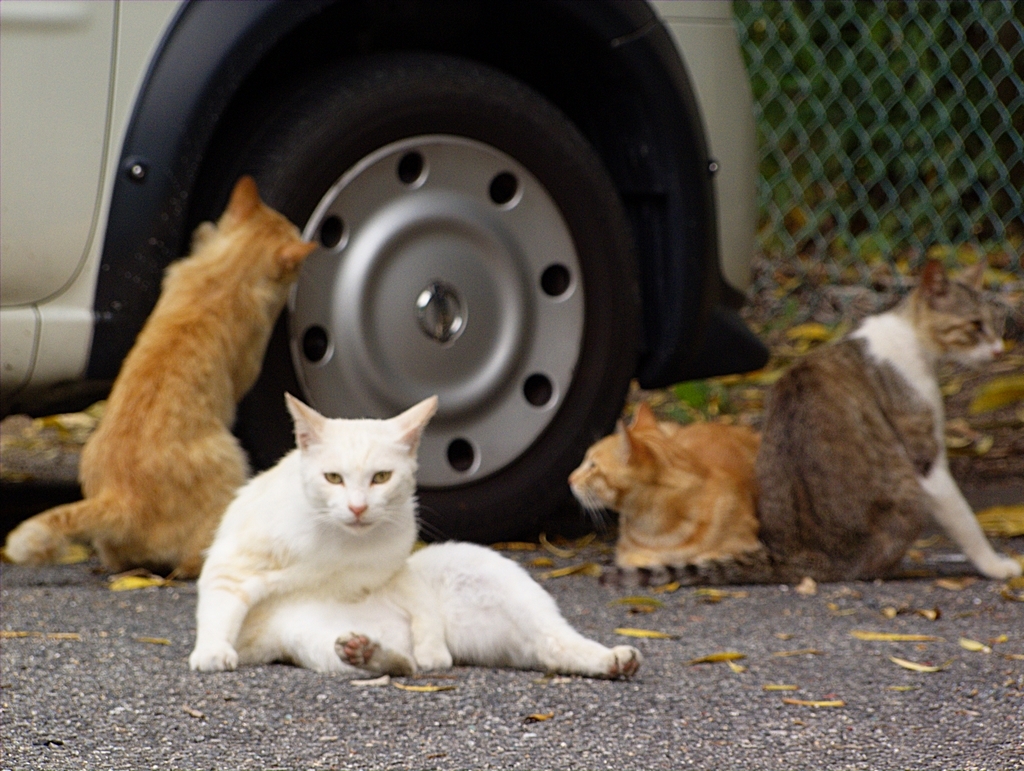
{"points": [[472, 246]]}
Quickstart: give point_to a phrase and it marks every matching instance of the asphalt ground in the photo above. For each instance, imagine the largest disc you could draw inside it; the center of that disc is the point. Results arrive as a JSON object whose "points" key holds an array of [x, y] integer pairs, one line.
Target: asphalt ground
{"points": [[92, 678]]}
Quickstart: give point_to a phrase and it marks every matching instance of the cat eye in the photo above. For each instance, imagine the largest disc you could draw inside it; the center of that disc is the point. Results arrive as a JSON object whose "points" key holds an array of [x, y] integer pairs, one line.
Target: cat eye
{"points": [[381, 477], [334, 478]]}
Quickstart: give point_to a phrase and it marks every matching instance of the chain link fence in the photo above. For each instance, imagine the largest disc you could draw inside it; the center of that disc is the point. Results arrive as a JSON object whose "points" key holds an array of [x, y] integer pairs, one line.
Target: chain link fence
{"points": [[888, 131]]}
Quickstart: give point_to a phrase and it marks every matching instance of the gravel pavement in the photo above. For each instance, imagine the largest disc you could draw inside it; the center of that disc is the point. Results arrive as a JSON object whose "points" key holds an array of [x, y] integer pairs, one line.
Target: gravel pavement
{"points": [[93, 678]]}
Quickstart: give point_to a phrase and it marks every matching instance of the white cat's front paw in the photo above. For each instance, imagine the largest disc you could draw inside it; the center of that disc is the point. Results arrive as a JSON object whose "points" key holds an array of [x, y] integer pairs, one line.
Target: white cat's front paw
{"points": [[1001, 568], [626, 662], [432, 657], [217, 657]]}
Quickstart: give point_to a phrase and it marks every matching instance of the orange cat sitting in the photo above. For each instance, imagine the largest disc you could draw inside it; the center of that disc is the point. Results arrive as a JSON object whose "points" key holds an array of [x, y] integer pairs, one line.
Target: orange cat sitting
{"points": [[163, 464], [685, 495]]}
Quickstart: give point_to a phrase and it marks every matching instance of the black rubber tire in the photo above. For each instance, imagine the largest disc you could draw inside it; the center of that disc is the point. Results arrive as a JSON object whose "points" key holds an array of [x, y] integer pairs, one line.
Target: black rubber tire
{"points": [[304, 143]]}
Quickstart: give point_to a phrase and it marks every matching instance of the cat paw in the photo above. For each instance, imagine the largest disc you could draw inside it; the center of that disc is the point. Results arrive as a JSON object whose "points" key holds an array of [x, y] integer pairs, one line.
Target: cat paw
{"points": [[361, 652], [433, 657], [1001, 568], [356, 650], [626, 661], [220, 657]]}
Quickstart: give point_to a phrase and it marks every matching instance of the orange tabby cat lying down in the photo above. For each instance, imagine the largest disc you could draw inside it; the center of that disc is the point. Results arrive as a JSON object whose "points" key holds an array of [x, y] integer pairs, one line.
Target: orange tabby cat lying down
{"points": [[163, 465], [685, 495]]}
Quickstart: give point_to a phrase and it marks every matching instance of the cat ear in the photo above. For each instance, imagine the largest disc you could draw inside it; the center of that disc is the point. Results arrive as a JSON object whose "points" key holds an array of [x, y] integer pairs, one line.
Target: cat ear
{"points": [[644, 417], [309, 423], [202, 235], [412, 422], [293, 253], [245, 198], [632, 448], [934, 282], [974, 276]]}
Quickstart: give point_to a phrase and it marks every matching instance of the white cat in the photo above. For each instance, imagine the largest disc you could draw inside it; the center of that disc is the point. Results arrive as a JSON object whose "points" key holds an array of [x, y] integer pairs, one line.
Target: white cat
{"points": [[311, 565]]}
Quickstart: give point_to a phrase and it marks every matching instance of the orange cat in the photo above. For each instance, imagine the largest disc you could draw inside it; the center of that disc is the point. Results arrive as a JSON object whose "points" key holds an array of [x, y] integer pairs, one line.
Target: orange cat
{"points": [[685, 495], [163, 464]]}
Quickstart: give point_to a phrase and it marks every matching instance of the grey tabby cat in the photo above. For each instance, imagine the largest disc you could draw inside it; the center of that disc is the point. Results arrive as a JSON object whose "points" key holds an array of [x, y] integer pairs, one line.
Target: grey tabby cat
{"points": [[853, 460]]}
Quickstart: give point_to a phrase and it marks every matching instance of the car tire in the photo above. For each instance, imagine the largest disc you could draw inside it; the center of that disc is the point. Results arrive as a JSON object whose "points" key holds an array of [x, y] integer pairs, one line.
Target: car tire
{"points": [[334, 144]]}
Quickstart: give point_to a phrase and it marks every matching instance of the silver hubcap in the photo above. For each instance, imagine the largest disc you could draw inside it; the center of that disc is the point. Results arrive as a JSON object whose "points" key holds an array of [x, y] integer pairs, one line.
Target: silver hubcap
{"points": [[444, 267]]}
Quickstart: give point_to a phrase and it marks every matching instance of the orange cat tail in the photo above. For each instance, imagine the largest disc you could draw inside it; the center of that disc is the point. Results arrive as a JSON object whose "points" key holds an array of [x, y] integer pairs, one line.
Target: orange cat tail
{"points": [[46, 537]]}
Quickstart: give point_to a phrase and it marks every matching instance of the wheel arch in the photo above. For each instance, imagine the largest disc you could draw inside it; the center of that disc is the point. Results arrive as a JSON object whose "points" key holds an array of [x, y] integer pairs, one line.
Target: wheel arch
{"points": [[636, 105]]}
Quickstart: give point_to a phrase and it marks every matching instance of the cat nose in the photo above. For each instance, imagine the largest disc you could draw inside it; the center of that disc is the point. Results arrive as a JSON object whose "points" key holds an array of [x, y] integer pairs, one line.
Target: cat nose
{"points": [[357, 509]]}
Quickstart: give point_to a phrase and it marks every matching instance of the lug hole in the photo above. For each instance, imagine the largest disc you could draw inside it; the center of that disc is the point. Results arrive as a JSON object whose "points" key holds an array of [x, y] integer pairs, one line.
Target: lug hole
{"points": [[332, 230], [461, 455], [315, 343], [538, 390], [503, 188], [410, 168], [555, 280]]}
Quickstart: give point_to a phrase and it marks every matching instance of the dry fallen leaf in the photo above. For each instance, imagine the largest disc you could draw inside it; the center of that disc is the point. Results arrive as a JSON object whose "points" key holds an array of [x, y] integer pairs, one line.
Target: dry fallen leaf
{"points": [[584, 568], [558, 552], [193, 712], [1002, 521], [805, 703], [717, 595], [542, 562], [955, 584], [63, 636], [801, 652], [514, 546], [648, 601], [861, 634], [714, 658], [998, 640], [890, 612], [666, 588], [154, 640], [73, 554], [538, 717], [372, 683], [996, 393], [737, 668], [932, 614], [784, 635], [780, 687], [904, 687], [424, 688], [974, 645], [915, 667], [811, 331], [645, 633]]}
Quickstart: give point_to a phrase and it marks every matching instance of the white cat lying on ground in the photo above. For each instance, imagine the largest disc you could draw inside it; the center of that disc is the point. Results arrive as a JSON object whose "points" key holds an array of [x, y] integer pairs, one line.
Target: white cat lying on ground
{"points": [[311, 565]]}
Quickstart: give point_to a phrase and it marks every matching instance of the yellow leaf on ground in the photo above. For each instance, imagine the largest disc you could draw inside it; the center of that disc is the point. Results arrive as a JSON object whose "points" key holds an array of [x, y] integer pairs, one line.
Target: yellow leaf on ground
{"points": [[915, 667], [638, 601], [74, 553], [154, 640], [626, 631], [997, 393], [424, 688], [558, 552], [974, 645], [737, 668], [584, 568], [10, 634], [130, 583], [542, 562], [801, 652], [812, 331], [955, 584], [805, 703], [713, 658], [780, 687], [904, 687], [1002, 521], [538, 717], [666, 588], [63, 636], [861, 634]]}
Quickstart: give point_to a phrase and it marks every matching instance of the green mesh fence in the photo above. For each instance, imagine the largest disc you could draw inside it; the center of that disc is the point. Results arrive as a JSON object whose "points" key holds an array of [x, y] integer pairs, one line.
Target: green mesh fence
{"points": [[888, 130]]}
